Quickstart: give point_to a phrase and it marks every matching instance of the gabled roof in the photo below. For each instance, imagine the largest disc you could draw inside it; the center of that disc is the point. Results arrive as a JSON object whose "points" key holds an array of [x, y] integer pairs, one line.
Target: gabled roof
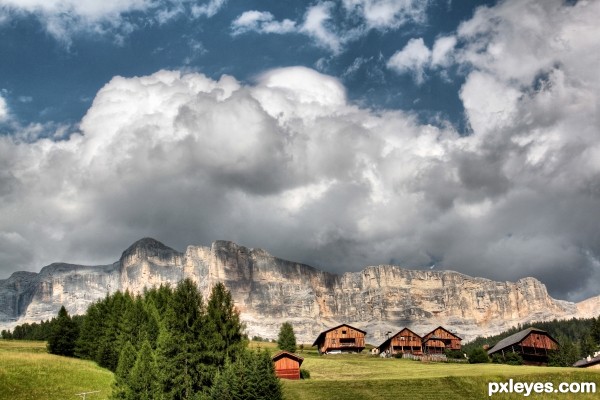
{"points": [[388, 340], [586, 363], [442, 328], [322, 334], [283, 353], [517, 338]]}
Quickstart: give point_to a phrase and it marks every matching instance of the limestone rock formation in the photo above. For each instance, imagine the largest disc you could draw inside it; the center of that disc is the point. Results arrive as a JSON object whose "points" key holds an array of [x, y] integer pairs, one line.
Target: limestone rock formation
{"points": [[269, 291]]}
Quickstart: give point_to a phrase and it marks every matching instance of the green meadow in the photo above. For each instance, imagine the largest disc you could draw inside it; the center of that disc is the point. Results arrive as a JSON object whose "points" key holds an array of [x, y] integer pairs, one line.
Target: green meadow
{"points": [[28, 372]]}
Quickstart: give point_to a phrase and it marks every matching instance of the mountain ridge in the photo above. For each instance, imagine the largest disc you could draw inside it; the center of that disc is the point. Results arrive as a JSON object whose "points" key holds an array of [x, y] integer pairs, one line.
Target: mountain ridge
{"points": [[269, 291]]}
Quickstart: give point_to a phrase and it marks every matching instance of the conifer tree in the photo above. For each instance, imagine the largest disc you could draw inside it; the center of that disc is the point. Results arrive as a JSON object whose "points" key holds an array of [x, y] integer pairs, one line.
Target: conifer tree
{"points": [[596, 331], [122, 384], [223, 328], [63, 336], [87, 342], [287, 339], [181, 348], [250, 377], [143, 377]]}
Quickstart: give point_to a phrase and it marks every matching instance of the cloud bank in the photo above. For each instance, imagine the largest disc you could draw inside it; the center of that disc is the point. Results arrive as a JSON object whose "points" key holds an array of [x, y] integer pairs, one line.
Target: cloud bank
{"points": [[288, 164]]}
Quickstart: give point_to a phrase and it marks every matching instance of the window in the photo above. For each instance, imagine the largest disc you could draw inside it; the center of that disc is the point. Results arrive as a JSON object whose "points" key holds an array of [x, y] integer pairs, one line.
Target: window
{"points": [[344, 332]]}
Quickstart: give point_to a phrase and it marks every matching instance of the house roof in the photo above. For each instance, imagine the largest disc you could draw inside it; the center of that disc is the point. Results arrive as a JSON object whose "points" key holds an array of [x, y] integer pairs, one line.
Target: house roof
{"points": [[586, 363], [287, 354], [441, 327], [517, 338], [322, 334], [388, 340]]}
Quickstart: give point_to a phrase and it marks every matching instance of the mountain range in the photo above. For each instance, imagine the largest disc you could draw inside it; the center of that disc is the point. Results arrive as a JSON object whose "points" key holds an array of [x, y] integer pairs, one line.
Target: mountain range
{"points": [[269, 291]]}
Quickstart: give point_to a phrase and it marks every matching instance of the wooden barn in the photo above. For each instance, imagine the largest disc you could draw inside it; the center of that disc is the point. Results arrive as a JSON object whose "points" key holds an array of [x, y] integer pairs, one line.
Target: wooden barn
{"points": [[532, 344], [287, 365], [439, 340], [341, 339], [405, 341]]}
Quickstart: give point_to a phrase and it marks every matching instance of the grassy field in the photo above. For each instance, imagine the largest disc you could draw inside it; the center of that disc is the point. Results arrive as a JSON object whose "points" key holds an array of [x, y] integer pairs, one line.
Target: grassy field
{"points": [[366, 377], [27, 371]]}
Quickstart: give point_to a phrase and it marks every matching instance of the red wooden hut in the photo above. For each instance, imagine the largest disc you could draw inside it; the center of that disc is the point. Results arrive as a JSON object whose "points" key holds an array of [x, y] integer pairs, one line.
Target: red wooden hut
{"points": [[341, 339], [287, 365]]}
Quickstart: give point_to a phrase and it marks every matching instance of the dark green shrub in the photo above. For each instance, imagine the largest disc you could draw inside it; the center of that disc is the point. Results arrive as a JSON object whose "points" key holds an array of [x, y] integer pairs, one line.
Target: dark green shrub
{"points": [[478, 356], [513, 359], [304, 374]]}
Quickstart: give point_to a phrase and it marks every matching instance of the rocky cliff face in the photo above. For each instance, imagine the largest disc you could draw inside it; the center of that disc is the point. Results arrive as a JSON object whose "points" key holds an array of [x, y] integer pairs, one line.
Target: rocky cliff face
{"points": [[269, 291]]}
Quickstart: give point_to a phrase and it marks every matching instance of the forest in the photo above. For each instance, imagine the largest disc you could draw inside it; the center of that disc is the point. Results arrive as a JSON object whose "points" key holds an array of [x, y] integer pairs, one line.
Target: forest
{"points": [[165, 343]]}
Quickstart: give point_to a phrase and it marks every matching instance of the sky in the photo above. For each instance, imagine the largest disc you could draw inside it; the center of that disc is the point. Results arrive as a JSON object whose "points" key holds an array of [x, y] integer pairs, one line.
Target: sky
{"points": [[430, 134]]}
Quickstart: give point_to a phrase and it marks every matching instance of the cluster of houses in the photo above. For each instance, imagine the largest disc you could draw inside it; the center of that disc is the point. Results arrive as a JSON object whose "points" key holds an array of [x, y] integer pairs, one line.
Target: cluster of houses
{"points": [[347, 339], [533, 345]]}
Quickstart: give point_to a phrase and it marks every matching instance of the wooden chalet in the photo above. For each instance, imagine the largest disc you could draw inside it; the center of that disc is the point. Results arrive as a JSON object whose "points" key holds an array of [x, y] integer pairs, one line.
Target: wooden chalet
{"points": [[341, 339], [287, 365], [532, 344], [439, 340], [405, 341]]}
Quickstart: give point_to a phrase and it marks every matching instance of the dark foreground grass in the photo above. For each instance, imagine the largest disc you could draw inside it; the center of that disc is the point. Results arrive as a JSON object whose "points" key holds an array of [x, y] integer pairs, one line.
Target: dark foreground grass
{"points": [[27, 371]]}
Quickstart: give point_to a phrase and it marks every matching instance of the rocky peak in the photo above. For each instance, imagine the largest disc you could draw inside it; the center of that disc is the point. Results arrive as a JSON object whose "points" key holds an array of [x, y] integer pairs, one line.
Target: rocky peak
{"points": [[148, 248]]}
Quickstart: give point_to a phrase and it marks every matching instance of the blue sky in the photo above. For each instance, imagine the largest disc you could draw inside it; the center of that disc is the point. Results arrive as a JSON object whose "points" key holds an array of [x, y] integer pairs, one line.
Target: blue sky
{"points": [[340, 133], [77, 62]]}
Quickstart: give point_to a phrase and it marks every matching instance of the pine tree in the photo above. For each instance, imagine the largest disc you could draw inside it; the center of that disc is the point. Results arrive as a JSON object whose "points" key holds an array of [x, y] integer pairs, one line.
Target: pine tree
{"points": [[596, 331], [287, 339], [122, 385], [63, 336], [143, 377], [250, 377], [566, 355], [223, 328], [586, 345], [181, 348]]}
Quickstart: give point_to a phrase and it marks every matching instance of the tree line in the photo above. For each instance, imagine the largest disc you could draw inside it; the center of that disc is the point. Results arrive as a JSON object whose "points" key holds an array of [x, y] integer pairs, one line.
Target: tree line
{"points": [[165, 344]]}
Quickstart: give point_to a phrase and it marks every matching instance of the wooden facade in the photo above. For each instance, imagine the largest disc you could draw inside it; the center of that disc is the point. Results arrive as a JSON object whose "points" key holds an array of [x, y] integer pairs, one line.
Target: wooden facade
{"points": [[287, 365], [439, 340], [405, 341], [532, 344], [341, 339]]}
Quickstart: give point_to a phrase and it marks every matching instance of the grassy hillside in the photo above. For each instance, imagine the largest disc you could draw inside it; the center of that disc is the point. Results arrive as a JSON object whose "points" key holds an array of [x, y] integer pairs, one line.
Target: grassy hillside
{"points": [[28, 372]]}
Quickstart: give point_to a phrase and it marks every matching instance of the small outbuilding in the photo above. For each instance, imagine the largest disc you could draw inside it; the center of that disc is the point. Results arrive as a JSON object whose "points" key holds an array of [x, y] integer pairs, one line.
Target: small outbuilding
{"points": [[287, 365], [532, 344], [405, 341], [589, 362], [341, 339], [439, 340]]}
